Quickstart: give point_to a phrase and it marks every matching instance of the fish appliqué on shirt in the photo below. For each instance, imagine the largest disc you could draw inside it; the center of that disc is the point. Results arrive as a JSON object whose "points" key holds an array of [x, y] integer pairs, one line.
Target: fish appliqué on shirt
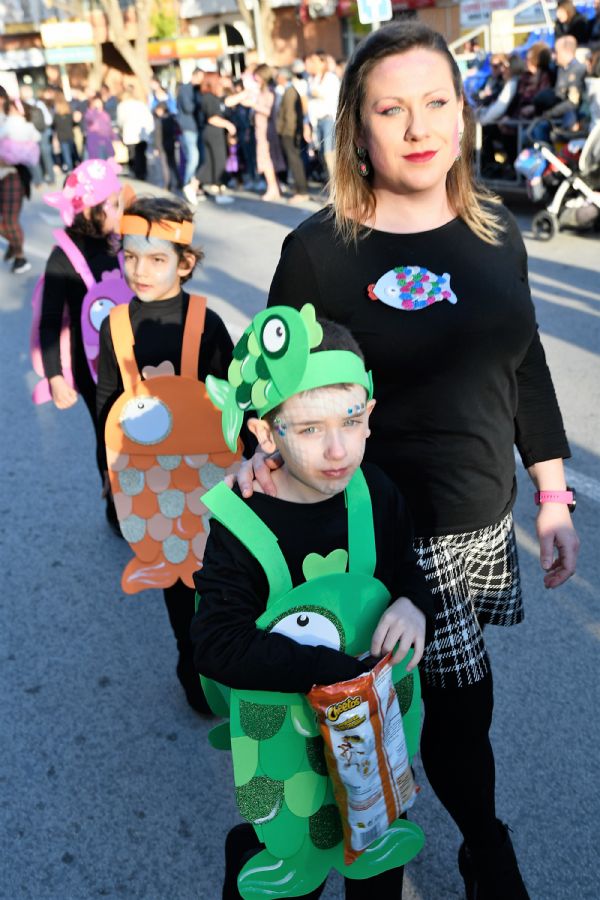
{"points": [[411, 288]]}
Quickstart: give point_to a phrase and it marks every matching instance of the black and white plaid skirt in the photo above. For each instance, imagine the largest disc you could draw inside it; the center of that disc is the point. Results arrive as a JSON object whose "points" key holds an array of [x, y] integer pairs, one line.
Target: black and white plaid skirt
{"points": [[474, 578]]}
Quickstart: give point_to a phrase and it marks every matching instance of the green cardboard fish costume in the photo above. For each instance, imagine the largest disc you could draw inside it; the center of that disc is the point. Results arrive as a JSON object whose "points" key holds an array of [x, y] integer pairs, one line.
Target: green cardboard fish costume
{"points": [[281, 780]]}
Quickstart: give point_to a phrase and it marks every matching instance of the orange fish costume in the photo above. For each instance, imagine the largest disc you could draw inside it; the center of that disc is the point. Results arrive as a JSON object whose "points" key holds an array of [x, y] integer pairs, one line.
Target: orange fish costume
{"points": [[165, 449]]}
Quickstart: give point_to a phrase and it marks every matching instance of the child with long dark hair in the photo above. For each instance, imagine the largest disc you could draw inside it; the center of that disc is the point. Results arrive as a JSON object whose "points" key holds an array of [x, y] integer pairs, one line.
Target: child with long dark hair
{"points": [[90, 207]]}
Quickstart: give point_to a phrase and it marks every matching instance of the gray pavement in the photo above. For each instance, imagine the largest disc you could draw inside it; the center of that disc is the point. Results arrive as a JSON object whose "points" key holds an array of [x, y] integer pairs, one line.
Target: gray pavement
{"points": [[108, 787]]}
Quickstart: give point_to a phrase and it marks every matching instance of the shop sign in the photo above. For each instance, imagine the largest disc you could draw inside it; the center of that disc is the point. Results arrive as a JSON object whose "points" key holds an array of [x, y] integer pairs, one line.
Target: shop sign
{"points": [[209, 46], [399, 5], [57, 55], [374, 11], [67, 34]]}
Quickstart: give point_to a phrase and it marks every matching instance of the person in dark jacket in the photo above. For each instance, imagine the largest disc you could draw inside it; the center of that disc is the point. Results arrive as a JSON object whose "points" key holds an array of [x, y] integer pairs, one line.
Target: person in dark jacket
{"points": [[569, 21], [166, 135], [289, 124]]}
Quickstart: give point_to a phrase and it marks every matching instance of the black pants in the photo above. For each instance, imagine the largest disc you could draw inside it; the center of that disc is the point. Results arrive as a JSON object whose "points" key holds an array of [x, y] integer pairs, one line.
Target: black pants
{"points": [[180, 601], [242, 844], [295, 164], [458, 759], [212, 169]]}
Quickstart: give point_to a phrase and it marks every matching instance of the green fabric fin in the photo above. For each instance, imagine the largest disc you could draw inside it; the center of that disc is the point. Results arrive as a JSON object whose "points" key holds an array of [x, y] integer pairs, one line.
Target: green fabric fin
{"points": [[400, 843], [361, 532], [267, 876], [220, 737], [245, 525]]}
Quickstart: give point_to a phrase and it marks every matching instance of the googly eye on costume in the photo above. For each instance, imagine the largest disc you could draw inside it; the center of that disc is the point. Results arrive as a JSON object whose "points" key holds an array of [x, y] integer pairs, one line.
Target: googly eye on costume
{"points": [[275, 337], [310, 628], [99, 310], [146, 420]]}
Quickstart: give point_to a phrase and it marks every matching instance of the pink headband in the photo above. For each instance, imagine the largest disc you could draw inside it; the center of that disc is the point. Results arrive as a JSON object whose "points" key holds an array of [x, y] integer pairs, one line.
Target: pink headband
{"points": [[88, 185]]}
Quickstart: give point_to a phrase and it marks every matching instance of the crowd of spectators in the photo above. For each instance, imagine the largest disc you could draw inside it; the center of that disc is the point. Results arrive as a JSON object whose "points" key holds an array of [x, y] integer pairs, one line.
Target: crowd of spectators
{"points": [[544, 93], [270, 131]]}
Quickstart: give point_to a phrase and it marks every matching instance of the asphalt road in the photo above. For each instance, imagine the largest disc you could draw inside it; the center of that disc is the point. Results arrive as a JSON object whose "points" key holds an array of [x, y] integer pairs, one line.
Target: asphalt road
{"points": [[108, 787]]}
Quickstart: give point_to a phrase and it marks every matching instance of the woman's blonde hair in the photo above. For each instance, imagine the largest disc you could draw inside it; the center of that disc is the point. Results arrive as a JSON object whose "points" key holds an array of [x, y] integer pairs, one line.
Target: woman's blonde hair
{"points": [[352, 195]]}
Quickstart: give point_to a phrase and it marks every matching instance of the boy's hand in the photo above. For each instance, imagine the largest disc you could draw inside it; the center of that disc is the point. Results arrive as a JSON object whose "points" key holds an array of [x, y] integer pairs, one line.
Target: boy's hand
{"points": [[62, 395], [401, 622]]}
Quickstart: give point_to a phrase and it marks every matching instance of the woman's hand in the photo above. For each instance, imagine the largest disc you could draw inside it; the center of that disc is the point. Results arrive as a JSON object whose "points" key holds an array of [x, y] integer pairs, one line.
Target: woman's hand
{"points": [[402, 622], [559, 544], [62, 395], [259, 469]]}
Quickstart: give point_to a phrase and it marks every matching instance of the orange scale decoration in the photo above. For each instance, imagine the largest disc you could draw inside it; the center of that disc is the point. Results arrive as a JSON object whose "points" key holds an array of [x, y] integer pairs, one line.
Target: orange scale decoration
{"points": [[138, 461], [158, 479], [194, 501], [147, 550], [184, 479], [186, 525], [164, 425], [145, 505], [160, 527]]}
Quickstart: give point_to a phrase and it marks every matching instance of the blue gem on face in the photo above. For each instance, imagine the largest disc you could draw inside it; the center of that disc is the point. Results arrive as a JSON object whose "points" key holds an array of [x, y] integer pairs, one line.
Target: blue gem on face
{"points": [[350, 411]]}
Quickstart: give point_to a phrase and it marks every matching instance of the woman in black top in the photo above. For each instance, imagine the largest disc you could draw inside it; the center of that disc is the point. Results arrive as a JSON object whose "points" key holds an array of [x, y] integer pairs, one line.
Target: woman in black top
{"points": [[430, 275], [214, 136]]}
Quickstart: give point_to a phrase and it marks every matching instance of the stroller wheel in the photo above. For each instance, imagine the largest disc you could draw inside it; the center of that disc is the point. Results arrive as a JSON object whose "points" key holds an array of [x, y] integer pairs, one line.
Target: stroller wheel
{"points": [[544, 225]]}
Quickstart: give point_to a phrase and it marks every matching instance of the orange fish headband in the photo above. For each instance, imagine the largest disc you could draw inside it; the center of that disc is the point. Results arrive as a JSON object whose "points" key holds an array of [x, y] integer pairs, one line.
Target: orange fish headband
{"points": [[176, 232]]}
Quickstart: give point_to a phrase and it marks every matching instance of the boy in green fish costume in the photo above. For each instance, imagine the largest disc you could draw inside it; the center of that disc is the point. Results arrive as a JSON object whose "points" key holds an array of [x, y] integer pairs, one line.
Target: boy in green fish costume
{"points": [[292, 589]]}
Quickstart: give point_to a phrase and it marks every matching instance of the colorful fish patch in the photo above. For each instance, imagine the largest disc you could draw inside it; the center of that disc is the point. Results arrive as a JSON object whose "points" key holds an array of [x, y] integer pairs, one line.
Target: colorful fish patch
{"points": [[412, 287]]}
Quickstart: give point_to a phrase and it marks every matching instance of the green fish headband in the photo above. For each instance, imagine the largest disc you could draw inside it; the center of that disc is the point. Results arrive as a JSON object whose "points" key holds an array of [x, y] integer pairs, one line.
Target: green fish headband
{"points": [[272, 362]]}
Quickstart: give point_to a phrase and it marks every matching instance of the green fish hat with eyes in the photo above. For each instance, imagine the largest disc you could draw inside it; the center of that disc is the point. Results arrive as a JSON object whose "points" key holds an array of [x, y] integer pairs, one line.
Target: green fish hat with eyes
{"points": [[272, 361]]}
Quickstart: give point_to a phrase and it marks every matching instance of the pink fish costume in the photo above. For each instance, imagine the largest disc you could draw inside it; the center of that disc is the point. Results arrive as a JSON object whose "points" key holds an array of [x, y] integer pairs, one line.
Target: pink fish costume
{"points": [[90, 184]]}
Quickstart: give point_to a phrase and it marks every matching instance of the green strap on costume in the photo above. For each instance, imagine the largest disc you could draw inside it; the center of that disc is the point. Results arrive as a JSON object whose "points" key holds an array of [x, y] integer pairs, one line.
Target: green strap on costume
{"points": [[231, 511]]}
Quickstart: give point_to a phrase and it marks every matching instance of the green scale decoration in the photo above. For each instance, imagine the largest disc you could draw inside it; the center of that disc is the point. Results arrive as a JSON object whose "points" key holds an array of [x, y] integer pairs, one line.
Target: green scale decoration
{"points": [[281, 781]]}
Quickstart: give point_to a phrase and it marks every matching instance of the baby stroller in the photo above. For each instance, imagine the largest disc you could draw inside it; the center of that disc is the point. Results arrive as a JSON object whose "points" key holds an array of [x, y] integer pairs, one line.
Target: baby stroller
{"points": [[576, 177]]}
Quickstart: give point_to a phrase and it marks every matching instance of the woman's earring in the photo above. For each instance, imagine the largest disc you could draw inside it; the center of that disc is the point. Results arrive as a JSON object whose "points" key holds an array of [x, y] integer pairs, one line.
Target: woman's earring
{"points": [[459, 154], [364, 168]]}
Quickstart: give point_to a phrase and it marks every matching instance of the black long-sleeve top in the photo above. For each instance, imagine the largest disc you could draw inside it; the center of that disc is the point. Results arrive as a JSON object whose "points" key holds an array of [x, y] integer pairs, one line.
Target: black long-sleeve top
{"points": [[457, 385], [64, 286], [158, 328], [233, 589]]}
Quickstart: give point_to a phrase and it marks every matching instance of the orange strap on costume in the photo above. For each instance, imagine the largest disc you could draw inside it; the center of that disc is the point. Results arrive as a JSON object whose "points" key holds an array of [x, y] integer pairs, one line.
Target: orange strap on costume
{"points": [[123, 341], [177, 232]]}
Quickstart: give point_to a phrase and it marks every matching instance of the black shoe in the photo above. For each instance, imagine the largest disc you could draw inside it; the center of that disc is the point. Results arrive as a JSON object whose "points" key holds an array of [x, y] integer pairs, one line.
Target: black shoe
{"points": [[8, 253], [20, 266], [190, 682], [492, 874]]}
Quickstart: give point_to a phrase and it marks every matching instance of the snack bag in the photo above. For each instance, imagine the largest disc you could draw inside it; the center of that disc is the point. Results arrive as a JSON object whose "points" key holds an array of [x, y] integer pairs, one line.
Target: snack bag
{"points": [[366, 754]]}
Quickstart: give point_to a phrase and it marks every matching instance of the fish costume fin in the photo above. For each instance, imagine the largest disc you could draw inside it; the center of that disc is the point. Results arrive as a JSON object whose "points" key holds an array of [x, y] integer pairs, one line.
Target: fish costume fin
{"points": [[222, 395]]}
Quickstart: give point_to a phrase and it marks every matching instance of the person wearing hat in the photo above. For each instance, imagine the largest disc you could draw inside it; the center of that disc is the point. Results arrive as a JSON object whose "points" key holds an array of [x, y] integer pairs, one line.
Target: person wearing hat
{"points": [[312, 395], [90, 206]]}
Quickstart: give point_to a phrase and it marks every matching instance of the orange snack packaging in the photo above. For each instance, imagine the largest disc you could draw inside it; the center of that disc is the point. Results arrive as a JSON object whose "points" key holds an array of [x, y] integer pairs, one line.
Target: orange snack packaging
{"points": [[366, 754]]}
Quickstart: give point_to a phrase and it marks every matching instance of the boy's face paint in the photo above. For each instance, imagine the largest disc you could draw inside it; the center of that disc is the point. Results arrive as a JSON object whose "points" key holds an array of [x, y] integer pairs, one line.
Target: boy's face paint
{"points": [[321, 436], [151, 267]]}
